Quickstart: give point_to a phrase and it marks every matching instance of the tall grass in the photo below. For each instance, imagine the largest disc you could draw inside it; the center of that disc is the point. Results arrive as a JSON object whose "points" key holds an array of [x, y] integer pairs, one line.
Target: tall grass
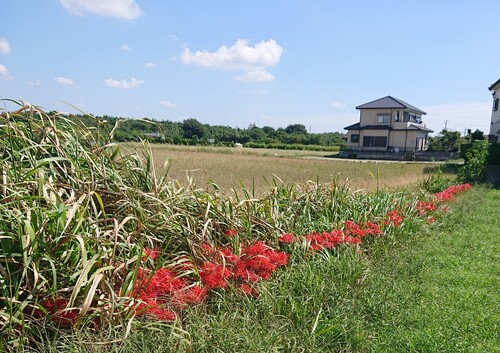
{"points": [[78, 213]]}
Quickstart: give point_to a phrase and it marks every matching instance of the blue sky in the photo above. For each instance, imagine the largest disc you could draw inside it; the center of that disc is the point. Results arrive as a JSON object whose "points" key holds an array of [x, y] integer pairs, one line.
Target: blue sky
{"points": [[236, 63]]}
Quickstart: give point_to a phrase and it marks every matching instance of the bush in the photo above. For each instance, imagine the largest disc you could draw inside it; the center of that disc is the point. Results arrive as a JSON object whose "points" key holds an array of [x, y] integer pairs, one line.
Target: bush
{"points": [[476, 160]]}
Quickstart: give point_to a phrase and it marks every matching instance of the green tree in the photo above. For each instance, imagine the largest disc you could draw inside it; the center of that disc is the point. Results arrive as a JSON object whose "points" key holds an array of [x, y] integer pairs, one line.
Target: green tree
{"points": [[446, 141], [192, 127]]}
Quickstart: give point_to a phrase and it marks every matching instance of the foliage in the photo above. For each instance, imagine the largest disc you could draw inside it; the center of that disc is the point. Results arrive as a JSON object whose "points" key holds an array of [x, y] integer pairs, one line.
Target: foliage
{"points": [[476, 159], [446, 141], [477, 135], [192, 132]]}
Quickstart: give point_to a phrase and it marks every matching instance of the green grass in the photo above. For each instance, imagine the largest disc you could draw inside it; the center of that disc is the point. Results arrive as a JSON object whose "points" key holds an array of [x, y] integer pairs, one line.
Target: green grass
{"points": [[438, 292], [430, 291]]}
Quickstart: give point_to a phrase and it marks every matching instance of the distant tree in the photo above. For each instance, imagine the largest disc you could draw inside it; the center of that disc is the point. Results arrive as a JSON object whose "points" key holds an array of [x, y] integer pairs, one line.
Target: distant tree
{"points": [[446, 141], [477, 135], [192, 127], [296, 129]]}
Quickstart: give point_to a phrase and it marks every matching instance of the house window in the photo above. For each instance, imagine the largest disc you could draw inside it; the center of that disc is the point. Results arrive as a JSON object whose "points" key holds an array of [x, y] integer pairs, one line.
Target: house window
{"points": [[355, 138], [383, 118], [495, 105], [374, 141]]}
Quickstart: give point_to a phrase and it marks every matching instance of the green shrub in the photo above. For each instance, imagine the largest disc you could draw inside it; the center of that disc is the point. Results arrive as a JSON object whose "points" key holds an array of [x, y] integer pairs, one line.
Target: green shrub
{"points": [[476, 160]]}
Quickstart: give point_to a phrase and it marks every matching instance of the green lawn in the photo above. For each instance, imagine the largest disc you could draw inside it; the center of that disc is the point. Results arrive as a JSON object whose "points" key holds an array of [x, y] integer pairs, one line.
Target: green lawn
{"points": [[439, 292]]}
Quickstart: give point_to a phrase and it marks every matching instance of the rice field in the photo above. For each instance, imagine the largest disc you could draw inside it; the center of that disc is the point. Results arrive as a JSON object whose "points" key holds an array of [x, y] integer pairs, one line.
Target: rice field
{"points": [[255, 169]]}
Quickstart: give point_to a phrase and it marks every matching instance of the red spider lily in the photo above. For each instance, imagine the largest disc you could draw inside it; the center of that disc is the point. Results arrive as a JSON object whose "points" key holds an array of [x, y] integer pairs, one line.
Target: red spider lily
{"points": [[162, 283], [56, 309], [351, 240], [287, 238], [425, 206], [214, 275], [248, 290], [353, 229], [372, 229], [230, 232], [151, 307], [150, 253], [328, 240], [190, 295], [393, 217], [451, 192]]}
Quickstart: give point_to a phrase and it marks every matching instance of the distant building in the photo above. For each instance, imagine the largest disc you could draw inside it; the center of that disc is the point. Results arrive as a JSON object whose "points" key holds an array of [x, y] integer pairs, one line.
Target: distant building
{"points": [[494, 135], [388, 124]]}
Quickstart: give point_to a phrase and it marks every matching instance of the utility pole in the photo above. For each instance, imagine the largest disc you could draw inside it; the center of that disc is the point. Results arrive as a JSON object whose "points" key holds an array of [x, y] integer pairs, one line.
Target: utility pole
{"points": [[446, 125]]}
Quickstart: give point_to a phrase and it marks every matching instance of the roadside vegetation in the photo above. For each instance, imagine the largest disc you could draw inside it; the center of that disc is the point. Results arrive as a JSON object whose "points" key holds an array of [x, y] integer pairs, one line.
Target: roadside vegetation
{"points": [[101, 250]]}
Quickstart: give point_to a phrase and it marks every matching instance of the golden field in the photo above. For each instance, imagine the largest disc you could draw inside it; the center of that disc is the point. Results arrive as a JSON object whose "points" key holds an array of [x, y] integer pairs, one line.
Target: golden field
{"points": [[231, 168]]}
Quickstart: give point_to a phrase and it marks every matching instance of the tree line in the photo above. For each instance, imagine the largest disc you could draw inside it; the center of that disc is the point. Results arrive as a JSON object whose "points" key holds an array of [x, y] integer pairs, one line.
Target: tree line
{"points": [[192, 132]]}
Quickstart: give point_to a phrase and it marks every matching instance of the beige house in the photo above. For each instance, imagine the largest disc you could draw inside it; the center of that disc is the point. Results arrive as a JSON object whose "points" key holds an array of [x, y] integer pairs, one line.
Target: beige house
{"points": [[388, 124], [494, 135]]}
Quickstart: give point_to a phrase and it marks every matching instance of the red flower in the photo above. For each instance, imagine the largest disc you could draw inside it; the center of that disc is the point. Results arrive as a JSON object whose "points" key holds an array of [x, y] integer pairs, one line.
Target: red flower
{"points": [[150, 253], [230, 232], [214, 275], [287, 238], [393, 217], [249, 291]]}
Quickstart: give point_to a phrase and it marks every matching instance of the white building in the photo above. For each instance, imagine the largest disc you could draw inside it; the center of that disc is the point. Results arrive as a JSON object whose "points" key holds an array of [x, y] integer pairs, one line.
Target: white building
{"points": [[494, 135]]}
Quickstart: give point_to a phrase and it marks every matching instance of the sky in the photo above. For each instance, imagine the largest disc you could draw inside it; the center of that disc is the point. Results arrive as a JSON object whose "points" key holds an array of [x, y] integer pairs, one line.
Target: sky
{"points": [[269, 63]]}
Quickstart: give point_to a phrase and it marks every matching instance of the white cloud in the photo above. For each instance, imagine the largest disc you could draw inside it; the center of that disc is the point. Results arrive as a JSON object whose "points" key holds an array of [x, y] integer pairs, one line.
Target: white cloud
{"points": [[338, 105], [240, 56], [124, 84], [168, 104], [64, 81], [4, 73], [4, 46], [458, 116], [255, 76], [124, 9], [125, 46], [150, 65], [34, 83]]}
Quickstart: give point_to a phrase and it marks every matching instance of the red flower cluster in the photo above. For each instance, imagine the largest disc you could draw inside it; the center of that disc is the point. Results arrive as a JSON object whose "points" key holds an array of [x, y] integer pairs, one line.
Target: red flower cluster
{"points": [[426, 206], [451, 192], [256, 262], [162, 291], [352, 233], [56, 309], [394, 218], [230, 232]]}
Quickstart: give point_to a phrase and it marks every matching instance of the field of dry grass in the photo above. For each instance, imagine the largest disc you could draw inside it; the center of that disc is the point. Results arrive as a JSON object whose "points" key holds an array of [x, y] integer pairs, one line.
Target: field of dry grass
{"points": [[230, 168]]}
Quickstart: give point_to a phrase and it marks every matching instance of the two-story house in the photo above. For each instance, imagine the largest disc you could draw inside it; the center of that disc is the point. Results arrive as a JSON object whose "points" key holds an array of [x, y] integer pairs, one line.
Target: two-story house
{"points": [[494, 135], [388, 124]]}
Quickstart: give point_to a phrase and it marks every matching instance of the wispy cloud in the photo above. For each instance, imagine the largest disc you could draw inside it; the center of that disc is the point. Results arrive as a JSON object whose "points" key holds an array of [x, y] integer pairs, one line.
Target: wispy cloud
{"points": [[252, 60], [168, 104], [4, 46], [64, 81], [34, 83], [150, 65], [4, 73], [124, 84], [124, 9], [338, 105], [255, 76], [125, 46]]}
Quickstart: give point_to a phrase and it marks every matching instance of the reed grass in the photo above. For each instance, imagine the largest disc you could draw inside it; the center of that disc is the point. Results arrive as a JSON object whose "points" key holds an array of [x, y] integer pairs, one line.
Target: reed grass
{"points": [[78, 211]]}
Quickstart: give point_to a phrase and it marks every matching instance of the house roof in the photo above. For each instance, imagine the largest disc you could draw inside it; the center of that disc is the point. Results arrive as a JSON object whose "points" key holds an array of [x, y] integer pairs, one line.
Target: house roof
{"points": [[389, 102], [357, 126], [417, 127], [493, 86]]}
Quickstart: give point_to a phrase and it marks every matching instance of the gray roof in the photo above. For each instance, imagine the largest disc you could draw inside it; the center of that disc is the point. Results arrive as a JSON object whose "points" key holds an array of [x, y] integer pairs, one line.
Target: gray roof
{"points": [[492, 87], [389, 102], [357, 126]]}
